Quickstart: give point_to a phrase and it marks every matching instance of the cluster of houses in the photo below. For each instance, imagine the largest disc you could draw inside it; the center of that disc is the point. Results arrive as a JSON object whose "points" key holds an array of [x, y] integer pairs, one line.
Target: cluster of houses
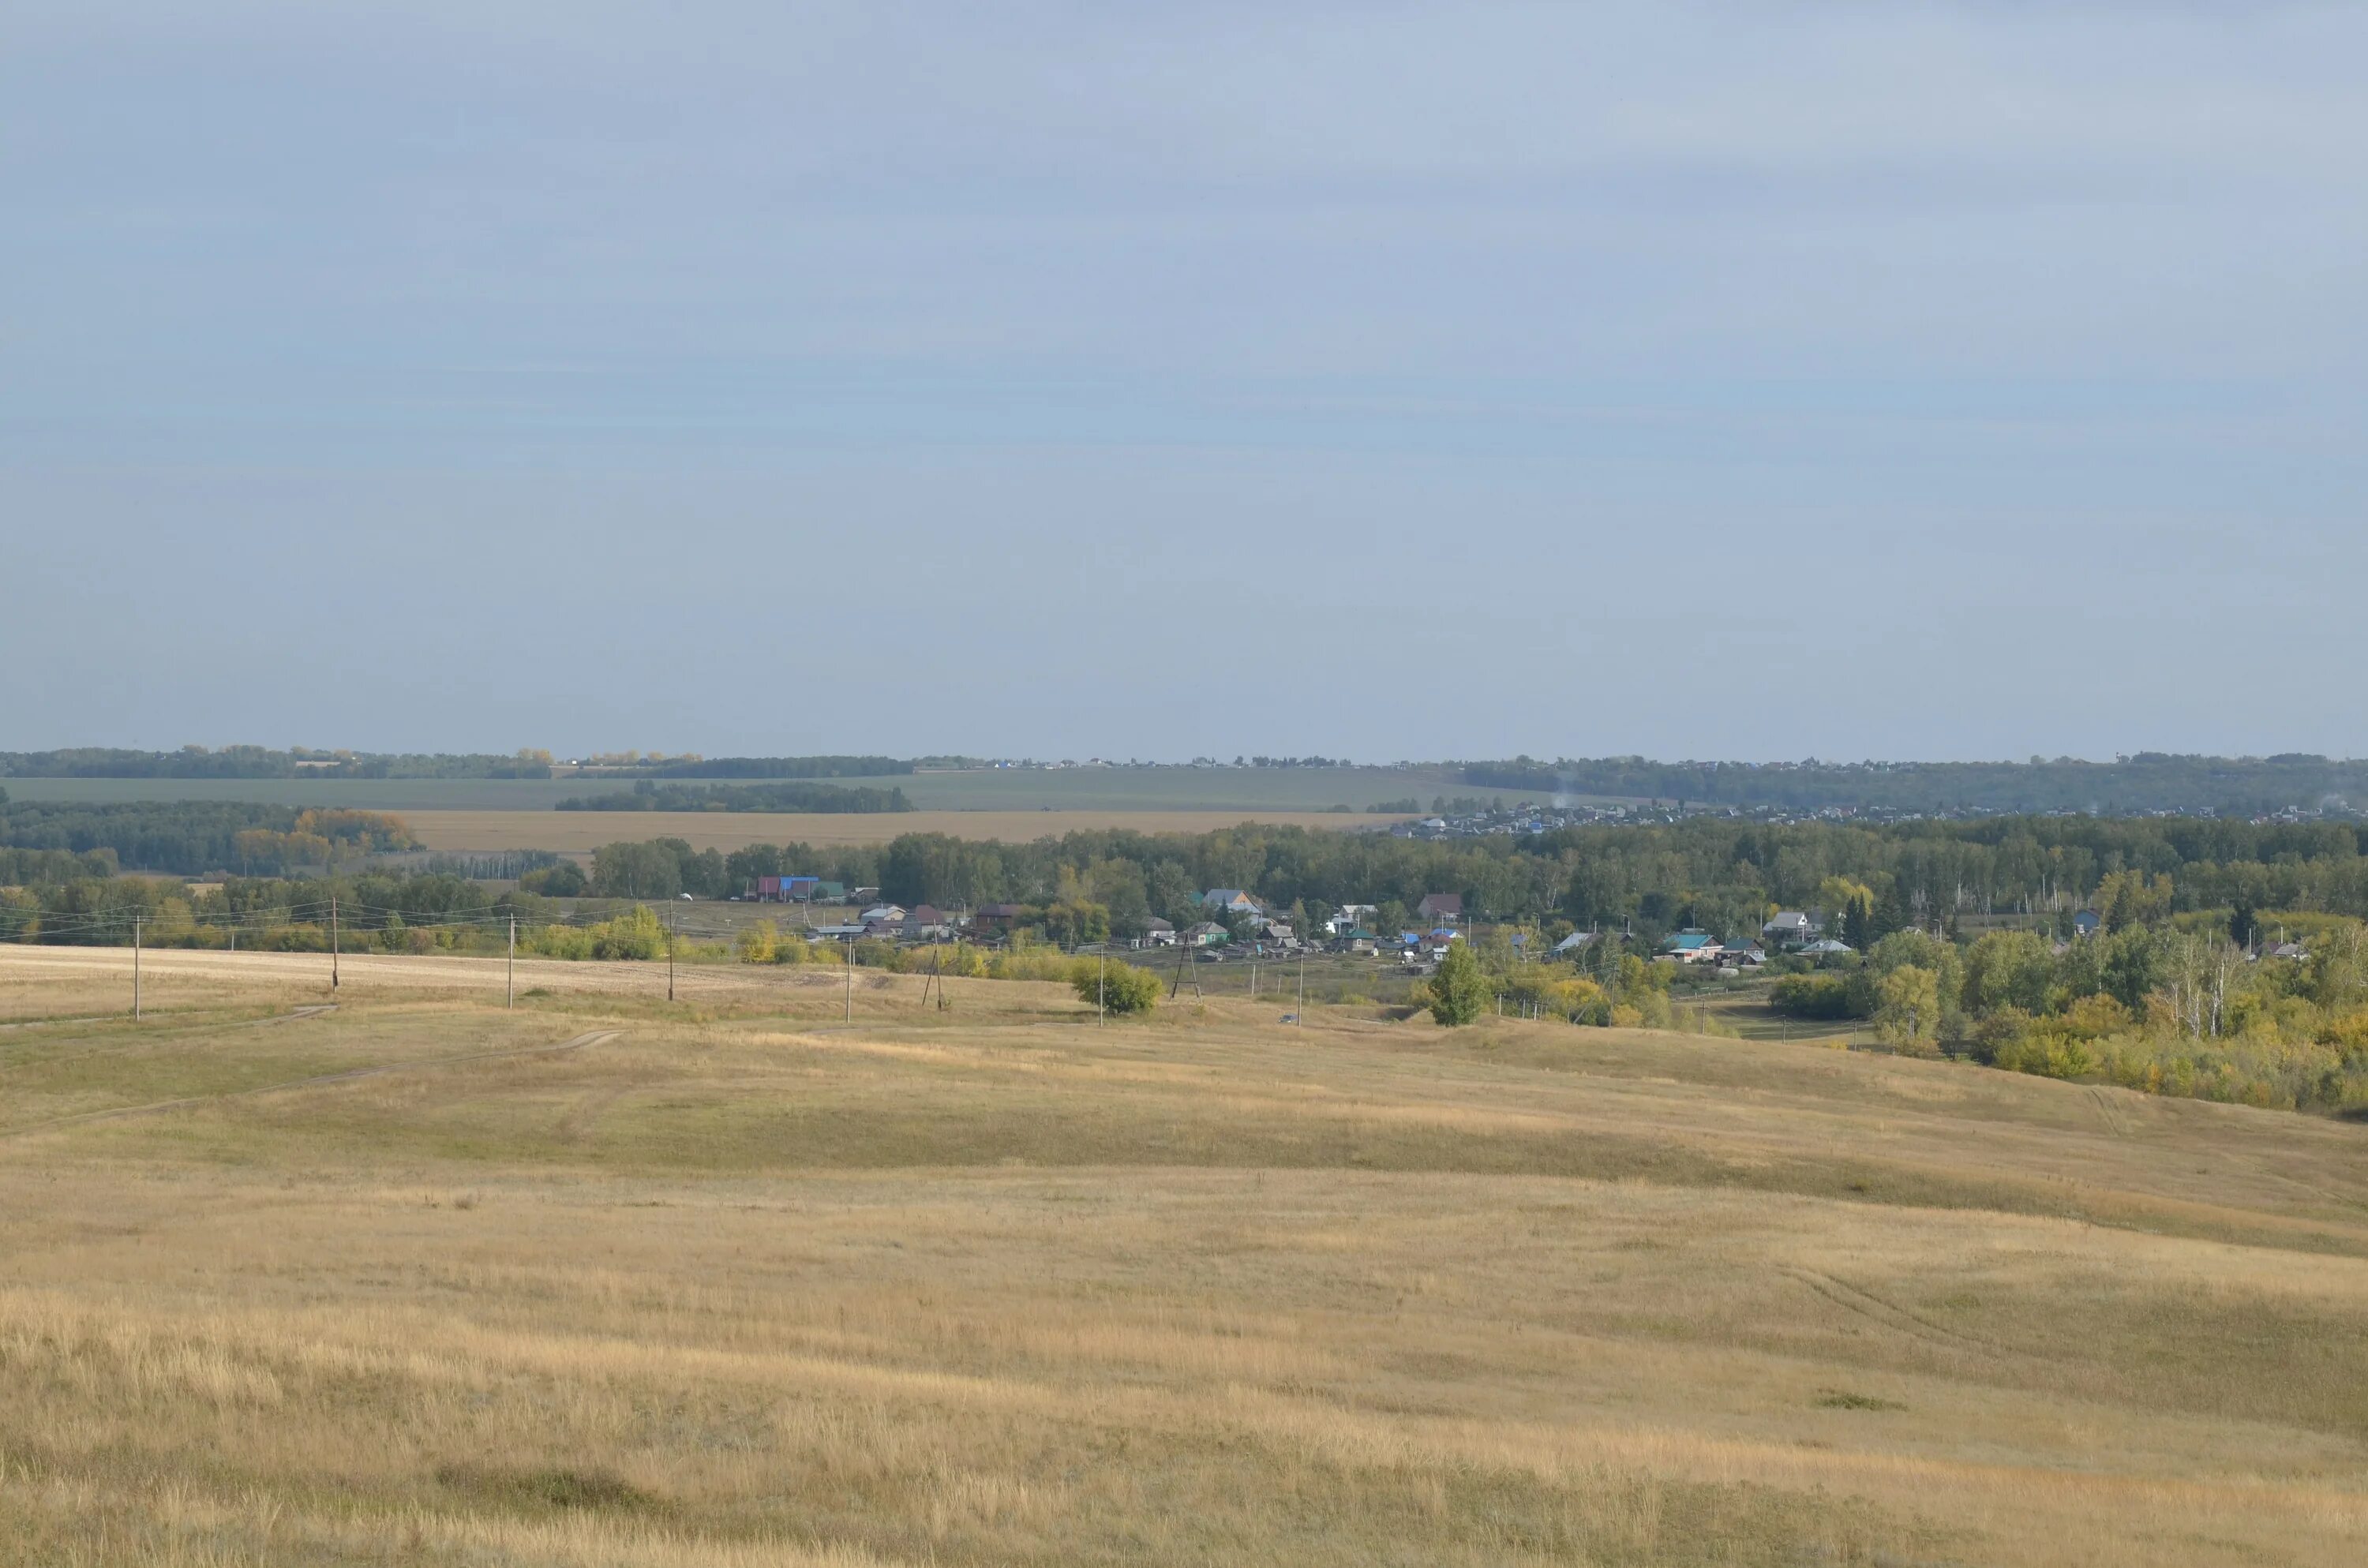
{"points": [[1350, 929], [1787, 931]]}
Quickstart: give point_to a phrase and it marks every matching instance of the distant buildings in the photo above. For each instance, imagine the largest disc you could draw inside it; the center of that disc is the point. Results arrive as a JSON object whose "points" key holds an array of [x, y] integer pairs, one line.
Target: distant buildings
{"points": [[1232, 900], [1447, 907]]}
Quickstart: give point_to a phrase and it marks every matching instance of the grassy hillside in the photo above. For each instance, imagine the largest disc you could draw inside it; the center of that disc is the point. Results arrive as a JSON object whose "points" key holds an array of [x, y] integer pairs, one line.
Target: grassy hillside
{"points": [[732, 1282]]}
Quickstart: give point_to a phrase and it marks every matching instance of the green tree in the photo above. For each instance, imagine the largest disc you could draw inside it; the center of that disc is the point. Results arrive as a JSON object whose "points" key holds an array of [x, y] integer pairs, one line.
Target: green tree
{"points": [[1460, 988], [565, 879], [1907, 1010], [637, 870], [1858, 922]]}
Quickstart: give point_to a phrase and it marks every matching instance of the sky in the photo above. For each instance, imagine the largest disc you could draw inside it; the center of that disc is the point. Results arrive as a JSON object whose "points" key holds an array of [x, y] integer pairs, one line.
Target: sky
{"points": [[1380, 380]]}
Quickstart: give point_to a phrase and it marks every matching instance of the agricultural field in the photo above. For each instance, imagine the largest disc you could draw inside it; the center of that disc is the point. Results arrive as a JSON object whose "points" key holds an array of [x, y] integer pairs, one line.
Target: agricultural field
{"points": [[1229, 789], [603, 1281], [579, 833]]}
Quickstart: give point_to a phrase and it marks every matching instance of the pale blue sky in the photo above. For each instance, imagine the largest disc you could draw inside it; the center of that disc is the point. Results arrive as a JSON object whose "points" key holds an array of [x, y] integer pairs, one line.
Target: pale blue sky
{"points": [[1391, 379]]}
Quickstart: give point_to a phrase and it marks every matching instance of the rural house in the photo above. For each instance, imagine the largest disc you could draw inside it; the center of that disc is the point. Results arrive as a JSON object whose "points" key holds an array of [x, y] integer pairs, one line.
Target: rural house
{"points": [[1693, 946], [1232, 900], [1445, 907], [1788, 928]]}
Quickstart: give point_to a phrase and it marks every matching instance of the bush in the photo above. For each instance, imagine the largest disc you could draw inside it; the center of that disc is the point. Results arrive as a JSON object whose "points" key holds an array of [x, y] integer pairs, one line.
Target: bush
{"points": [[634, 936], [1119, 987], [564, 881], [1813, 996]]}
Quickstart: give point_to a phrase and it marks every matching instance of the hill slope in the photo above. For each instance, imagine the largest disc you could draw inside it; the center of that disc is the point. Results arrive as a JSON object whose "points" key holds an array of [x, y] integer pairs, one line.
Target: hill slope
{"points": [[744, 1284]]}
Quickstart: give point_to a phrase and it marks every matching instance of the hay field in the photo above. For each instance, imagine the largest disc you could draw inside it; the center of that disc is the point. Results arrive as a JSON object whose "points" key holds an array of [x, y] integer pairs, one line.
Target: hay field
{"points": [[601, 1281], [580, 831]]}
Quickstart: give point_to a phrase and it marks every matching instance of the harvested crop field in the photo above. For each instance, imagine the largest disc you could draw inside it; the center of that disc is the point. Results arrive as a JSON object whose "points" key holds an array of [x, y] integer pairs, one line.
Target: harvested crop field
{"points": [[577, 832]]}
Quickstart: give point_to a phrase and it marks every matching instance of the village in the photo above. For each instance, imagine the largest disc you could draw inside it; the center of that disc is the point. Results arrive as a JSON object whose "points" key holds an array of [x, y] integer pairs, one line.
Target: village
{"points": [[1236, 925]]}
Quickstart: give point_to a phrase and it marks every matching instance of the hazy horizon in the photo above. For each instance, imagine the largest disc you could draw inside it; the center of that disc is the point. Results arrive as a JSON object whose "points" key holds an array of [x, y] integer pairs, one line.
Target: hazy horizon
{"points": [[1930, 383]]}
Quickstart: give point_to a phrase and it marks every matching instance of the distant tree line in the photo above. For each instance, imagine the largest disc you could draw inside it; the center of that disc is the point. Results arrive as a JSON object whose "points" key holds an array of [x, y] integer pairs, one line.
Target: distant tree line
{"points": [[1714, 873], [2150, 781], [1719, 875], [194, 837], [261, 762], [648, 796]]}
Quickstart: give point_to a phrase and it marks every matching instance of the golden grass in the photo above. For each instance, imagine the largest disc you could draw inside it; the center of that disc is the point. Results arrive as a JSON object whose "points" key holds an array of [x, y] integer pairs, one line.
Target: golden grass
{"points": [[576, 832], [741, 1285]]}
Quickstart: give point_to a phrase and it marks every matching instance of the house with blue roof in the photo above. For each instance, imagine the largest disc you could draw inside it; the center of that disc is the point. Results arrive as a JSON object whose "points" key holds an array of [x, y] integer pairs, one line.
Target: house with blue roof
{"points": [[1693, 946]]}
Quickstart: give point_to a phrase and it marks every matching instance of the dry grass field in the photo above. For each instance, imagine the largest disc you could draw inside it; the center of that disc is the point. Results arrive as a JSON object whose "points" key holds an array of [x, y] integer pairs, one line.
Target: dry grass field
{"points": [[580, 831], [604, 1281]]}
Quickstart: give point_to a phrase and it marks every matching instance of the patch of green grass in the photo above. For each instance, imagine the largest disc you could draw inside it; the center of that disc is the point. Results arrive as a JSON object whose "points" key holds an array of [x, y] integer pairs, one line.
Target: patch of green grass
{"points": [[1844, 1398]]}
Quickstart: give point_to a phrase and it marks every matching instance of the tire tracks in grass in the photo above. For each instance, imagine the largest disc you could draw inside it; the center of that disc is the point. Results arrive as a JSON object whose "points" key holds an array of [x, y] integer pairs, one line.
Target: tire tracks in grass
{"points": [[318, 1080], [1887, 1314]]}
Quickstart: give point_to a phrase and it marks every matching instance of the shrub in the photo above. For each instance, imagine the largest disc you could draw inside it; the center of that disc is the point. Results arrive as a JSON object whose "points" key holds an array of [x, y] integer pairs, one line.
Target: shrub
{"points": [[1813, 996], [1119, 987], [634, 936], [564, 881]]}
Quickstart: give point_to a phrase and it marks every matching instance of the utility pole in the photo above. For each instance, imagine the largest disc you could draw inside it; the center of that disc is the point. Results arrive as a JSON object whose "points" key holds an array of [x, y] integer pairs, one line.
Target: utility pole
{"points": [[509, 976], [670, 922], [332, 941], [1299, 1013], [848, 954], [135, 969], [1102, 991]]}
